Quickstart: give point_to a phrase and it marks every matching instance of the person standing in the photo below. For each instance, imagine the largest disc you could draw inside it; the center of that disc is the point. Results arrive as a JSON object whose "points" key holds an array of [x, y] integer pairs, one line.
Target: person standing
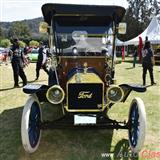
{"points": [[140, 47], [147, 62], [17, 64], [42, 60], [135, 56], [123, 53]]}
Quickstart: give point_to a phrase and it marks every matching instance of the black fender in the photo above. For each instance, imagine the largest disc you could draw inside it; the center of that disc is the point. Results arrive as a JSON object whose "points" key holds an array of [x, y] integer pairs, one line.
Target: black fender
{"points": [[127, 88], [38, 89]]}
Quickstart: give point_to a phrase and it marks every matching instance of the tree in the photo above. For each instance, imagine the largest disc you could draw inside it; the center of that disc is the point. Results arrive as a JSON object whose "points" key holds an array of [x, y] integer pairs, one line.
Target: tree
{"points": [[19, 30], [138, 16], [1, 33], [156, 7], [141, 9], [5, 43], [34, 44], [134, 27], [21, 44]]}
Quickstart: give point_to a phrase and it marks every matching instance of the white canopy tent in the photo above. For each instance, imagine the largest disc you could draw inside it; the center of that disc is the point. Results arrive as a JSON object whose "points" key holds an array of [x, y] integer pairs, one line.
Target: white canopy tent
{"points": [[119, 42], [152, 32]]}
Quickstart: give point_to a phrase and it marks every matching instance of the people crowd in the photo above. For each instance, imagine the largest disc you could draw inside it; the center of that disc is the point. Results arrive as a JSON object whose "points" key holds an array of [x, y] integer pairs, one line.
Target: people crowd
{"points": [[19, 60]]}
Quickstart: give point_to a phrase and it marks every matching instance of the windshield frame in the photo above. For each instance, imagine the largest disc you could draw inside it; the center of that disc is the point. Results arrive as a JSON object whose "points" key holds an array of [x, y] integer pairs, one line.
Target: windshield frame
{"points": [[58, 30]]}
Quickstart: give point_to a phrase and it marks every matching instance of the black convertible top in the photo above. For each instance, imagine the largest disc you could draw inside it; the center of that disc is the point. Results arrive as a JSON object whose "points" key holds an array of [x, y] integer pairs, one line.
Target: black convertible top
{"points": [[110, 13]]}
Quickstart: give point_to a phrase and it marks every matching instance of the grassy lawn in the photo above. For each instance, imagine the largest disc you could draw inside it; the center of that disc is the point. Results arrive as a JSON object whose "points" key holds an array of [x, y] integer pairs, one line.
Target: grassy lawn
{"points": [[68, 144]]}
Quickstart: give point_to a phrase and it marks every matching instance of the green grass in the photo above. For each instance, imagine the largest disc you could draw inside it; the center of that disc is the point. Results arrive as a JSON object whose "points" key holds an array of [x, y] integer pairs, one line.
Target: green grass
{"points": [[70, 144]]}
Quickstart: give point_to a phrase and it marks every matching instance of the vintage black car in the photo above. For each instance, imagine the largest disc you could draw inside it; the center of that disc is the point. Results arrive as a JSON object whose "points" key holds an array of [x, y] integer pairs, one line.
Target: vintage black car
{"points": [[81, 79]]}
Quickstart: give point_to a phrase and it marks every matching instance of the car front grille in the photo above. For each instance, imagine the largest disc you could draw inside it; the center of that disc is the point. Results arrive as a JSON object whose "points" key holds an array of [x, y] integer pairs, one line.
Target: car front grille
{"points": [[85, 97]]}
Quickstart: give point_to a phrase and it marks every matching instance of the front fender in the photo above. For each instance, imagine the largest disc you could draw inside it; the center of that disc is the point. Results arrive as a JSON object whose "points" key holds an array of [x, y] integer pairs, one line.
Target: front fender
{"points": [[127, 88], [38, 89]]}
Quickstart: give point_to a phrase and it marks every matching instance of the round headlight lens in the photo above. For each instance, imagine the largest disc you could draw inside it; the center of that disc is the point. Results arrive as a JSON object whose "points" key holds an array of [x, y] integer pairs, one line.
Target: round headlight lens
{"points": [[114, 94], [55, 94]]}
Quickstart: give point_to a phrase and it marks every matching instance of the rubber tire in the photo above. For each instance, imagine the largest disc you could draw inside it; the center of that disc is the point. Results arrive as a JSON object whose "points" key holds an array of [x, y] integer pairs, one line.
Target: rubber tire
{"points": [[142, 125], [25, 125]]}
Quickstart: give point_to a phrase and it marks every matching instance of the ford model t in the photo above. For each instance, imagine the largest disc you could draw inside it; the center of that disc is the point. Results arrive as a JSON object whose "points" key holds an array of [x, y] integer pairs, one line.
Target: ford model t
{"points": [[82, 40]]}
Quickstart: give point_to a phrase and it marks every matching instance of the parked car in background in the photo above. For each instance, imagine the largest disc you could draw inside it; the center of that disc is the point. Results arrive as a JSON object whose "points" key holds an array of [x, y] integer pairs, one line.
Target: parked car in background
{"points": [[33, 55], [1, 49]]}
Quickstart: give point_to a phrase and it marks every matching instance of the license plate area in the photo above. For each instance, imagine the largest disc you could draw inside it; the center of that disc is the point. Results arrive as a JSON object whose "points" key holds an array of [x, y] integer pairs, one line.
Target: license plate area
{"points": [[84, 119]]}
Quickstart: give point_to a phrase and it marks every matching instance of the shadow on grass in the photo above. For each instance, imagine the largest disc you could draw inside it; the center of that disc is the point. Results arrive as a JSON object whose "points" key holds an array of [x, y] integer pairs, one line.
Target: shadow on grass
{"points": [[6, 89], [61, 144], [10, 88], [130, 68], [122, 151], [149, 86], [32, 81], [129, 61], [10, 138]]}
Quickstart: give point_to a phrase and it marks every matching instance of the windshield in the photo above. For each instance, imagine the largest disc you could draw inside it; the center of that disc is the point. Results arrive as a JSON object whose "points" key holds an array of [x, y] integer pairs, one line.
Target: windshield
{"points": [[86, 40]]}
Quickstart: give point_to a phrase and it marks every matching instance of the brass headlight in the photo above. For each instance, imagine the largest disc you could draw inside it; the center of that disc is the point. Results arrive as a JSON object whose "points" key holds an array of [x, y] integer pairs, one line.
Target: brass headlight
{"points": [[55, 94], [114, 94]]}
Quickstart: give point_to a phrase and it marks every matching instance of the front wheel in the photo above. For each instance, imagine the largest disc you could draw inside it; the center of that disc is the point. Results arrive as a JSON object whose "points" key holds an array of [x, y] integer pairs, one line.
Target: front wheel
{"points": [[137, 124], [30, 124]]}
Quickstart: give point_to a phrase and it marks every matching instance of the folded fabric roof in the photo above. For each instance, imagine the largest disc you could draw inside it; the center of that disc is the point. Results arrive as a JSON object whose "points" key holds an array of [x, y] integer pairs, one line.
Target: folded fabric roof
{"points": [[100, 13]]}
